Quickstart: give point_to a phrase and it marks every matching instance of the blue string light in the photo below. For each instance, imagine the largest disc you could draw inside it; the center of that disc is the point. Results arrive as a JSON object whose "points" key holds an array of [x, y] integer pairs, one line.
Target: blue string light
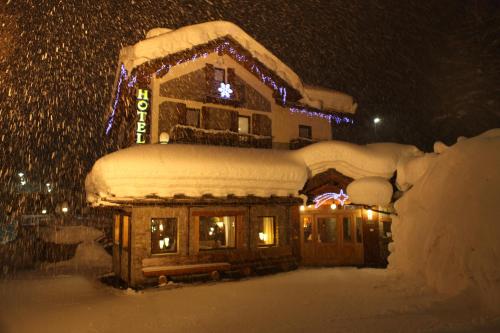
{"points": [[321, 199], [226, 46]]}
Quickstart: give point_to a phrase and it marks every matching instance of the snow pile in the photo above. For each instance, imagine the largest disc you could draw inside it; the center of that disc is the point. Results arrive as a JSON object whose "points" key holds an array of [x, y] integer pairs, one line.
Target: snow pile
{"points": [[355, 161], [370, 191], [447, 231], [89, 254], [161, 42], [331, 99], [193, 170], [69, 234]]}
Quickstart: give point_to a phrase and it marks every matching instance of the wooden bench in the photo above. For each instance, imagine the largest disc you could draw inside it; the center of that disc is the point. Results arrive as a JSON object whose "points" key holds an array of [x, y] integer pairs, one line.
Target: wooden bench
{"points": [[212, 268]]}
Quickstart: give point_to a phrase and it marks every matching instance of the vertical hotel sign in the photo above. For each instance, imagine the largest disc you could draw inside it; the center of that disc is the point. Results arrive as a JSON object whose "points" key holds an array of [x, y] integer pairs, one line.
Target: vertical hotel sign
{"points": [[143, 107]]}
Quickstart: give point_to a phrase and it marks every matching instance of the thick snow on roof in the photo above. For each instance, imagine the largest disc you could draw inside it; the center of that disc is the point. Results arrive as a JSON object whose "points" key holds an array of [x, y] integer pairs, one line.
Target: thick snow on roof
{"points": [[331, 99], [447, 229], [194, 170], [370, 191], [168, 170], [354, 160], [161, 42]]}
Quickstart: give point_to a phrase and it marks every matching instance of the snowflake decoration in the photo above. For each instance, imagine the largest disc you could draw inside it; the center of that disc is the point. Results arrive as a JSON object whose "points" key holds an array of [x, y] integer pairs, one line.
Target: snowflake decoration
{"points": [[225, 90]]}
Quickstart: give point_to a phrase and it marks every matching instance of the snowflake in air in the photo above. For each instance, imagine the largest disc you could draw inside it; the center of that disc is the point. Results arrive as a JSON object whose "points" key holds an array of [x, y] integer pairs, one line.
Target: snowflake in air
{"points": [[225, 90]]}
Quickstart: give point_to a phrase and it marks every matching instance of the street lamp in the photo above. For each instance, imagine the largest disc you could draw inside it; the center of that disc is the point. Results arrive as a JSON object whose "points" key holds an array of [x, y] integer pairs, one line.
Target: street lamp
{"points": [[376, 120]]}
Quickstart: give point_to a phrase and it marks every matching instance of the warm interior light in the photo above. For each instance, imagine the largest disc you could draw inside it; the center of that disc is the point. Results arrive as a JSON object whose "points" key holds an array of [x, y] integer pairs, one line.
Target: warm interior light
{"points": [[44, 211], [64, 209], [302, 208], [263, 236], [162, 242], [310, 206], [220, 224], [161, 226], [333, 206], [166, 240], [369, 213]]}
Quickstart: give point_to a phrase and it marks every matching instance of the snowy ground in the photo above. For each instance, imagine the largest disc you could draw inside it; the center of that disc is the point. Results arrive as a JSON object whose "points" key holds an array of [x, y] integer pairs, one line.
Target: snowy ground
{"points": [[313, 300]]}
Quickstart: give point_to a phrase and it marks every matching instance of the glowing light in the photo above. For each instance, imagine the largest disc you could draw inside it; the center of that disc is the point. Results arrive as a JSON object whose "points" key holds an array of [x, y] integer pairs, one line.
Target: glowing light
{"points": [[162, 242], [64, 209], [20, 174], [123, 76], [220, 224], [166, 241], [142, 112], [161, 226], [327, 116], [225, 90], [44, 211], [263, 236], [321, 199], [376, 120], [333, 206], [369, 214], [302, 208]]}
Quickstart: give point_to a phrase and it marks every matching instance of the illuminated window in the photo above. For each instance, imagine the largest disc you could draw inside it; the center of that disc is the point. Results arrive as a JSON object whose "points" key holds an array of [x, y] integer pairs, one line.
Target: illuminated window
{"points": [[163, 235], [305, 132], [125, 231], [243, 124], [267, 231], [117, 230], [347, 232], [217, 232], [327, 229], [308, 227]]}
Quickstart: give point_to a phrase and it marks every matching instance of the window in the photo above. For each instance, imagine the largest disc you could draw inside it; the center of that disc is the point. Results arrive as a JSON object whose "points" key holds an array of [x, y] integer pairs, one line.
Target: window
{"points": [[125, 231], [359, 229], [163, 235], [243, 124], [327, 229], [117, 230], [267, 231], [347, 232], [193, 117], [305, 132], [217, 232], [308, 227], [219, 74]]}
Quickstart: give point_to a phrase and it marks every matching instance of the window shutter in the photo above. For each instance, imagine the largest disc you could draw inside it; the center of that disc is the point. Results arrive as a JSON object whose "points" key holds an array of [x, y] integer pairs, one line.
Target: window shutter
{"points": [[181, 114], [205, 117], [231, 79], [261, 125], [210, 80], [234, 121]]}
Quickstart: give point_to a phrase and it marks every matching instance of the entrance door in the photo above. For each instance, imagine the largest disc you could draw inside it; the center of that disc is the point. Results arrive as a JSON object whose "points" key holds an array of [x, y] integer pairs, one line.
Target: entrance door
{"points": [[371, 242], [331, 239]]}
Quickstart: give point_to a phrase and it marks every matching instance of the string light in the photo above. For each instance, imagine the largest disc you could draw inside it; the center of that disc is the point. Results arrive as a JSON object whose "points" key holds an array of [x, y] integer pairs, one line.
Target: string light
{"points": [[222, 48], [328, 116]]}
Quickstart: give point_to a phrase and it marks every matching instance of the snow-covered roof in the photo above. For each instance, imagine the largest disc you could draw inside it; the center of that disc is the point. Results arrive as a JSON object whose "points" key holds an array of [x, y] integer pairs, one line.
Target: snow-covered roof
{"points": [[193, 170], [161, 42], [139, 172]]}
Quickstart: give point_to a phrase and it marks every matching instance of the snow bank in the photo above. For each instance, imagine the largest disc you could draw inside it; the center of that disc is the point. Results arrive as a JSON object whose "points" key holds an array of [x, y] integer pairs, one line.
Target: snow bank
{"points": [[370, 191], [194, 170], [161, 42], [69, 234], [447, 231], [355, 161]]}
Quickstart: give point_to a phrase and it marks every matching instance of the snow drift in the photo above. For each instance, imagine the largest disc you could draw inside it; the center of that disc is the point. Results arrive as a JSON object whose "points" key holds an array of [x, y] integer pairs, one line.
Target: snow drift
{"points": [[447, 231]]}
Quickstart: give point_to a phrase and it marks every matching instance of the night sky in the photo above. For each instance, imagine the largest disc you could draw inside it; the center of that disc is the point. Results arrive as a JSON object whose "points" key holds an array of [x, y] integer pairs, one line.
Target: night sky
{"points": [[429, 69]]}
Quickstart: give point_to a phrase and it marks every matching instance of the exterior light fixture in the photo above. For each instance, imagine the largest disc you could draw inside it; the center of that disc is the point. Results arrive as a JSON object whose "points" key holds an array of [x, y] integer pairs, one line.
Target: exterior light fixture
{"points": [[333, 206], [64, 207], [369, 214], [376, 120], [20, 174], [164, 138], [44, 211], [302, 208]]}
